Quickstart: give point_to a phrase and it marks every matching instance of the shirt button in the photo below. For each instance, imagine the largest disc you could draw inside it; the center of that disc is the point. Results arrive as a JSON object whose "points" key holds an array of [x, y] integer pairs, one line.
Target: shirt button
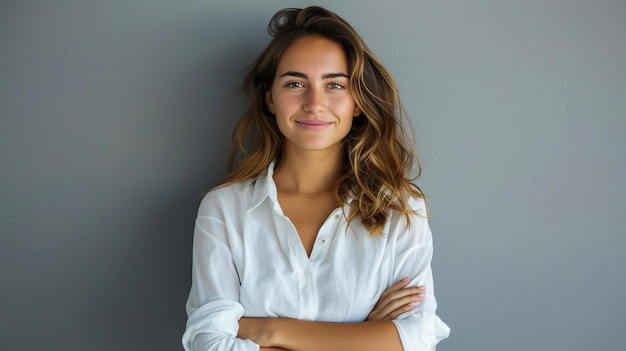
{"points": [[323, 241], [336, 216]]}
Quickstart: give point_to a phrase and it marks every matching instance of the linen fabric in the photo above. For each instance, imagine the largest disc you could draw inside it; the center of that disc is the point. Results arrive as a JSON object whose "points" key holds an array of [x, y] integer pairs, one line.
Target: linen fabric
{"points": [[248, 260]]}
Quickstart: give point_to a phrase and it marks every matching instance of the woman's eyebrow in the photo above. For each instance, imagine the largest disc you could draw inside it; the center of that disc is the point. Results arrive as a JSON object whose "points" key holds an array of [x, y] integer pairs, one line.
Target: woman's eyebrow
{"points": [[335, 75], [324, 76]]}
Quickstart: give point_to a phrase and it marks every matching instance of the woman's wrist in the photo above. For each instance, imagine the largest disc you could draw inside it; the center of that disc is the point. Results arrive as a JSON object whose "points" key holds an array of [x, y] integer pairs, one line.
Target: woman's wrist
{"points": [[260, 330], [272, 332]]}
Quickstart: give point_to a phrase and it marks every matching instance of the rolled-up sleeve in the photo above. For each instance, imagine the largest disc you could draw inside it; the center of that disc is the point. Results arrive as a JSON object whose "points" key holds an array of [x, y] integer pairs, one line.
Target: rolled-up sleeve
{"points": [[213, 307], [214, 326], [419, 329]]}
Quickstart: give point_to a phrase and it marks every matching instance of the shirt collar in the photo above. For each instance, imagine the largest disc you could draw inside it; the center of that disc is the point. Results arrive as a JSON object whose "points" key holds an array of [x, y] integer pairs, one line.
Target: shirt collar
{"points": [[263, 188]]}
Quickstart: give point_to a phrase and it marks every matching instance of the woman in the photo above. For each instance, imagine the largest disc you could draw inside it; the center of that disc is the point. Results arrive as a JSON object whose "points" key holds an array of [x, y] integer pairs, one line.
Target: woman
{"points": [[316, 239]]}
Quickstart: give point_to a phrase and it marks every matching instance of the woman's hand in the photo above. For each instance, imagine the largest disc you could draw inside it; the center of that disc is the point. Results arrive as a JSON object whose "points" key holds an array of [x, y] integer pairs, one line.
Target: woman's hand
{"points": [[258, 330], [255, 329], [269, 332], [261, 330], [396, 300]]}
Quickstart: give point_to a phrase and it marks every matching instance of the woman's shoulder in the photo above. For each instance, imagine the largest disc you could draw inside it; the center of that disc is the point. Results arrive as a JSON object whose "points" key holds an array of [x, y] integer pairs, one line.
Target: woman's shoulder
{"points": [[412, 227], [417, 205], [224, 197]]}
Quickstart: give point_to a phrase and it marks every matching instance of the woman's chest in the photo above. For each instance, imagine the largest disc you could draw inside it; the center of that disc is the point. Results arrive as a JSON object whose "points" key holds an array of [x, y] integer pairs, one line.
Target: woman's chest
{"points": [[340, 281]]}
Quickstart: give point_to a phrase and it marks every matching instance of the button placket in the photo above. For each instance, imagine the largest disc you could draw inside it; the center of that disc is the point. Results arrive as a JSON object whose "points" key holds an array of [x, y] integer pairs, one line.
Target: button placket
{"points": [[330, 227]]}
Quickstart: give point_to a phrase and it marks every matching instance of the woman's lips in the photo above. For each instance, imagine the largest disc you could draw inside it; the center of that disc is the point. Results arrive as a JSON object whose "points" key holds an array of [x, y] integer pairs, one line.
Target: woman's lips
{"points": [[313, 124]]}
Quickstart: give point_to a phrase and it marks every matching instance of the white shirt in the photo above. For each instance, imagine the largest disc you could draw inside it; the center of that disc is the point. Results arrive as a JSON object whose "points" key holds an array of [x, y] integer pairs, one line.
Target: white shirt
{"points": [[248, 260]]}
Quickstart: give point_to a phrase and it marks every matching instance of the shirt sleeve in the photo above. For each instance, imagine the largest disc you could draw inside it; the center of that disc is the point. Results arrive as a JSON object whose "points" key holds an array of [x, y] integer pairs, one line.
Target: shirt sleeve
{"points": [[213, 307], [419, 329]]}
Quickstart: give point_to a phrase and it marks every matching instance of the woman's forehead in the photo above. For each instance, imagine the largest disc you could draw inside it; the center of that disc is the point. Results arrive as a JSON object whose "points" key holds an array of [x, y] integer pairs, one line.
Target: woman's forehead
{"points": [[313, 55]]}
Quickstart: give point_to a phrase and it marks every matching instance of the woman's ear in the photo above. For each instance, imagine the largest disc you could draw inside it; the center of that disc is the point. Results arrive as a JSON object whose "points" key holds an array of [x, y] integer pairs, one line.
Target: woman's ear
{"points": [[269, 101], [357, 111]]}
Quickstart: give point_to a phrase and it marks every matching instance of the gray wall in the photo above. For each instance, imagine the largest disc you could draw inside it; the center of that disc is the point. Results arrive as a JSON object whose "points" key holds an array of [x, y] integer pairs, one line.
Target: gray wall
{"points": [[115, 116]]}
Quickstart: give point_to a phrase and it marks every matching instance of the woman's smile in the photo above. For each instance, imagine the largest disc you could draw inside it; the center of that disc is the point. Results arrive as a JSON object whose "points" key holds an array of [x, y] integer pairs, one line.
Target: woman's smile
{"points": [[313, 125]]}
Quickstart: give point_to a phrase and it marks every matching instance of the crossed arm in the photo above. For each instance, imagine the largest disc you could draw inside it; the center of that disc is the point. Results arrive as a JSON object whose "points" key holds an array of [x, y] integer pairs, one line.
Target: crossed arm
{"points": [[215, 311], [376, 333]]}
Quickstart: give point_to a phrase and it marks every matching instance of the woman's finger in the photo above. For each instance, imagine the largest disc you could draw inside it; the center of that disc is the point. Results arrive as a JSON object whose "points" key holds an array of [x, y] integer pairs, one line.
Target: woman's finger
{"points": [[396, 300], [401, 302]]}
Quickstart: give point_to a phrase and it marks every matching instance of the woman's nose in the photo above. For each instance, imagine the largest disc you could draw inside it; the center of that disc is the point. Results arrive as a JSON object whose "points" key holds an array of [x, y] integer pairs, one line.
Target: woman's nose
{"points": [[315, 101]]}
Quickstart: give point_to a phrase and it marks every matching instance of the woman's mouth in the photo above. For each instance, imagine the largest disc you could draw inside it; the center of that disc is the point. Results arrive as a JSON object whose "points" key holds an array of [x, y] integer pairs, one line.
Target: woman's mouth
{"points": [[313, 124]]}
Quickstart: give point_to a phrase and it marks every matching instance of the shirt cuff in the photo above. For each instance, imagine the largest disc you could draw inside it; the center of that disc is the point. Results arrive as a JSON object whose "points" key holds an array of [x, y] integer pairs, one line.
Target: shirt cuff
{"points": [[421, 331], [216, 323]]}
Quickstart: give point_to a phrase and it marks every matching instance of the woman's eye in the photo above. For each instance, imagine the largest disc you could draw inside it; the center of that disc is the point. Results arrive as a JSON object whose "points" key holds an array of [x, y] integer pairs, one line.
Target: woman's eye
{"points": [[294, 85], [336, 86]]}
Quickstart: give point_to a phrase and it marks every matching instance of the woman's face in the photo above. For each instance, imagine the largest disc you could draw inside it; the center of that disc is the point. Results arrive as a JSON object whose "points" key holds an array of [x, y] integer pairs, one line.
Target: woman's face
{"points": [[311, 95]]}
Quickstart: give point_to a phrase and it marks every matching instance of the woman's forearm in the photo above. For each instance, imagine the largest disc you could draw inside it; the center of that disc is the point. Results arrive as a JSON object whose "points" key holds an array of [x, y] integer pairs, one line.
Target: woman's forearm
{"points": [[299, 335]]}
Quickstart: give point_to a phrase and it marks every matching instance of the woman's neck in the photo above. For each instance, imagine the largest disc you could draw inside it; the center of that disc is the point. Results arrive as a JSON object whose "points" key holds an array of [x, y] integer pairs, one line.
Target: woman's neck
{"points": [[308, 172]]}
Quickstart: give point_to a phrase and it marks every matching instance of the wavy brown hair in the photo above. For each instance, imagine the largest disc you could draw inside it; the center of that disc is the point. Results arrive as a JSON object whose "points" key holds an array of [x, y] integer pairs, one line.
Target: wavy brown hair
{"points": [[379, 155]]}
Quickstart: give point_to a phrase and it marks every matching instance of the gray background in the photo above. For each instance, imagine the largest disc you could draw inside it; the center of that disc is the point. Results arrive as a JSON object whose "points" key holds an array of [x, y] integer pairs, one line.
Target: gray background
{"points": [[116, 115]]}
